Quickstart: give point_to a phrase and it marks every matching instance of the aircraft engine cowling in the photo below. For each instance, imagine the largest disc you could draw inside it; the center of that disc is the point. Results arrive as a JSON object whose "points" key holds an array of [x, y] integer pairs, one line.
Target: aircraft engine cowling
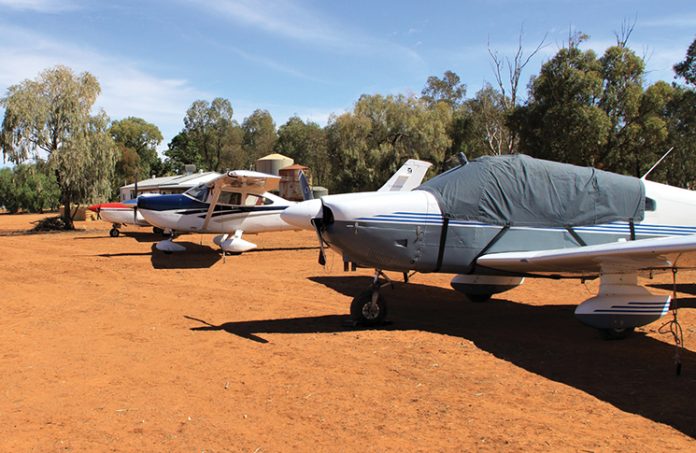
{"points": [[481, 287]]}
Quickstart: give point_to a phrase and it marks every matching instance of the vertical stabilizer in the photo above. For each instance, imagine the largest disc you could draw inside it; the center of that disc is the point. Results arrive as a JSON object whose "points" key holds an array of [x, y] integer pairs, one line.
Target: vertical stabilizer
{"points": [[408, 177]]}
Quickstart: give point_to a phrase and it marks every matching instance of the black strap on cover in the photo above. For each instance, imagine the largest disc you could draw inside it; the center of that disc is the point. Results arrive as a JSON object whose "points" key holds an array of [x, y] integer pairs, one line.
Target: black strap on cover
{"points": [[490, 244], [443, 240], [576, 236]]}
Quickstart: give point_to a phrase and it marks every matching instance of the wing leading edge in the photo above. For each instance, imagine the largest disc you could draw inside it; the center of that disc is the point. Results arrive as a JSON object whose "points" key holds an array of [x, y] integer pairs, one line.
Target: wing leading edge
{"points": [[615, 257]]}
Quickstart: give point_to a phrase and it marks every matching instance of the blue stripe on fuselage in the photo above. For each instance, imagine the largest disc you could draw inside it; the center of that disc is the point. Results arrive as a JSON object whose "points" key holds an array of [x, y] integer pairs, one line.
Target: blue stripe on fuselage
{"points": [[170, 203]]}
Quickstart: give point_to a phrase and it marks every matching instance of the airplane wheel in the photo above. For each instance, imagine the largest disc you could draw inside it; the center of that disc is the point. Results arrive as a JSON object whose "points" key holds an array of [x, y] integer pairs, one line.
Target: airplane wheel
{"points": [[114, 233], [478, 298], [364, 312], [159, 231], [616, 334]]}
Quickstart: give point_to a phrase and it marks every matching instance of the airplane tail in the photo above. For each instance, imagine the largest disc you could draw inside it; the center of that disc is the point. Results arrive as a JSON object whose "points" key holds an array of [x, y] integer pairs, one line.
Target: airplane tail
{"points": [[408, 177]]}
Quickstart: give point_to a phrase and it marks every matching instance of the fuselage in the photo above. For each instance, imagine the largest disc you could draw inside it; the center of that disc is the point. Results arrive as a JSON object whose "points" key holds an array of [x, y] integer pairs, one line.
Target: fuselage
{"points": [[407, 231], [120, 213], [184, 213]]}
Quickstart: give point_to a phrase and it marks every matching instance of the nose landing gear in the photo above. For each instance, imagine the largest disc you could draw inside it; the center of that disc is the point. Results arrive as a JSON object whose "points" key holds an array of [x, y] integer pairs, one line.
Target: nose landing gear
{"points": [[369, 309]]}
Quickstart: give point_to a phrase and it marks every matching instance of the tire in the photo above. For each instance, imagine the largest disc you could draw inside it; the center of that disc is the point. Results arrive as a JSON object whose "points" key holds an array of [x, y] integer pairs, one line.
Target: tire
{"points": [[361, 312], [616, 334], [114, 233], [158, 230], [478, 298]]}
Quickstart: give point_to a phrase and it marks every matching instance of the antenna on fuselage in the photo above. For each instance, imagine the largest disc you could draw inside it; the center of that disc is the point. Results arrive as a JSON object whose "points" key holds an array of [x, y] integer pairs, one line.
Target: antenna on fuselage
{"points": [[462, 158], [657, 163]]}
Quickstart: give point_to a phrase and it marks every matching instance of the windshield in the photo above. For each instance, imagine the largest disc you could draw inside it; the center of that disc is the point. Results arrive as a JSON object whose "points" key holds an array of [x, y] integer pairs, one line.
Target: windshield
{"points": [[200, 192]]}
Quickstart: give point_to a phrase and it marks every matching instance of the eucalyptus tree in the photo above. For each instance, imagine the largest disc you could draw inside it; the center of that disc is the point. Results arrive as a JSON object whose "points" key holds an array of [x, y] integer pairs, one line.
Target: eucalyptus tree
{"points": [[306, 144], [259, 135], [562, 120], [50, 117], [686, 69], [369, 144], [142, 137], [211, 137], [447, 89]]}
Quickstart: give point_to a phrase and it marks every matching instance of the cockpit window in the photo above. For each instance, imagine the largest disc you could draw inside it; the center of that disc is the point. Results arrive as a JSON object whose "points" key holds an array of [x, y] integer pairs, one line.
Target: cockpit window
{"points": [[230, 198], [200, 192], [256, 200]]}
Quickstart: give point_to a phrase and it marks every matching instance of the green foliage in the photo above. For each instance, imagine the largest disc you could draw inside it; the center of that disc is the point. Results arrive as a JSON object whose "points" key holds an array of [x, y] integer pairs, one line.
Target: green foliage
{"points": [[306, 143], [368, 145], [210, 139], [51, 115], [687, 69], [448, 89], [486, 127], [30, 188], [679, 168], [142, 137], [181, 151], [562, 120], [259, 136]]}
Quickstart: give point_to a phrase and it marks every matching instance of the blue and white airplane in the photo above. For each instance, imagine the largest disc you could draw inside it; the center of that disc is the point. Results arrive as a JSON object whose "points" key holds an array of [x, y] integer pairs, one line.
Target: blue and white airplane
{"points": [[239, 202], [496, 220]]}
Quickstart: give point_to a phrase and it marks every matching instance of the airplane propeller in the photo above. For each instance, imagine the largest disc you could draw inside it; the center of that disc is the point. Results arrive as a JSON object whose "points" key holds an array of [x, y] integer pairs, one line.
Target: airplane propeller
{"points": [[317, 221], [135, 208]]}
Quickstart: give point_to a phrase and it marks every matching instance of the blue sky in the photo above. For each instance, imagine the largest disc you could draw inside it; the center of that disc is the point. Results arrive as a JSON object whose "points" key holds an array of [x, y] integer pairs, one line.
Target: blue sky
{"points": [[307, 57]]}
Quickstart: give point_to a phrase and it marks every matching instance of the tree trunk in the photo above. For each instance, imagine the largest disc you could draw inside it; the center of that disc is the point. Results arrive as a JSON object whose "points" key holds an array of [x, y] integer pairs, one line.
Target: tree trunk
{"points": [[67, 213]]}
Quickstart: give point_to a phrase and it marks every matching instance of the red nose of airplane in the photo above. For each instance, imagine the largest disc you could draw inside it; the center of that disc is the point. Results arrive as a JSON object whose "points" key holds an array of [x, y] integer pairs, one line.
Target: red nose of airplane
{"points": [[95, 208]]}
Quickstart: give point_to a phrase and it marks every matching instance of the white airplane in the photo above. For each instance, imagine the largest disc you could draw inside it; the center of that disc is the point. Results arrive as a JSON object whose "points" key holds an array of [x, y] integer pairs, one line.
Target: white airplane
{"points": [[496, 220], [239, 202], [121, 213]]}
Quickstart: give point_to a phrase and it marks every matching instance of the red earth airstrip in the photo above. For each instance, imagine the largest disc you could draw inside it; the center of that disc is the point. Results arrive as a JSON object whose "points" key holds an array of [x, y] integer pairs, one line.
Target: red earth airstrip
{"points": [[108, 346]]}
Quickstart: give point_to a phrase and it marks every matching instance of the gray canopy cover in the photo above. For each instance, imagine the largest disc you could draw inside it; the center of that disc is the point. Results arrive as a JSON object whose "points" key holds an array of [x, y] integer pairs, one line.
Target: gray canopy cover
{"points": [[519, 190]]}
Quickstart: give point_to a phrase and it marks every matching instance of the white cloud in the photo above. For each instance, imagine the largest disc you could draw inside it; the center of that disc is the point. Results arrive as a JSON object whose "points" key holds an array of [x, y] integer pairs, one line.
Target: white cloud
{"points": [[288, 19], [42, 6], [128, 89], [680, 21]]}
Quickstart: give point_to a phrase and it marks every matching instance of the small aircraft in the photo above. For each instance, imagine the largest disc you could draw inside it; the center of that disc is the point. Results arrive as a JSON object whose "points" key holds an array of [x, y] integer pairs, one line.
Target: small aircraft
{"points": [[121, 213], [238, 202], [496, 220]]}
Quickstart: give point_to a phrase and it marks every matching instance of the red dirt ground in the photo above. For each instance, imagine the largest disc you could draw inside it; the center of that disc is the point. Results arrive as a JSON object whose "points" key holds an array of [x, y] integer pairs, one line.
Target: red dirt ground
{"points": [[107, 346]]}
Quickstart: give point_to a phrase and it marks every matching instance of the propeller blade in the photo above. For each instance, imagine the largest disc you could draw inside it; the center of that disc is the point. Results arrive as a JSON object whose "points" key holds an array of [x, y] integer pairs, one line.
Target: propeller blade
{"points": [[306, 190], [135, 209], [317, 229]]}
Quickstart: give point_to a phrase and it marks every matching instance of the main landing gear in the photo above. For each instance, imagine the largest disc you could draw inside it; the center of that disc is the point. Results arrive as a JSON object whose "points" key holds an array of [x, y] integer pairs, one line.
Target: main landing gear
{"points": [[114, 232], [369, 308]]}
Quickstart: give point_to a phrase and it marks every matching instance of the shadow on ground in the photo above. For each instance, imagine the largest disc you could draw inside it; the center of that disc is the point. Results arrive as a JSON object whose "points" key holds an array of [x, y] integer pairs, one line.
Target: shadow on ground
{"points": [[636, 375], [195, 256], [278, 249], [139, 236]]}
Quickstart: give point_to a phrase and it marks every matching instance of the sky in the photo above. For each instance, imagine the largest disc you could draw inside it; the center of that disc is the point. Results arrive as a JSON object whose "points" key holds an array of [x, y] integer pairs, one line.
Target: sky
{"points": [[309, 58]]}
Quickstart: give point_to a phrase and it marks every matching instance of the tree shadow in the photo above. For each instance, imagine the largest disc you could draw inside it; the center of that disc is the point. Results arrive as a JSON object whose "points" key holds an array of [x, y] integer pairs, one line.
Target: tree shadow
{"points": [[636, 375], [194, 257]]}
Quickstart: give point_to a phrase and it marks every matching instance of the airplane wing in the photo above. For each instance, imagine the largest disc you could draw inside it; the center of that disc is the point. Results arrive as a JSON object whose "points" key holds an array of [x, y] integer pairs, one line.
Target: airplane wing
{"points": [[244, 181], [247, 181], [615, 257], [408, 177]]}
